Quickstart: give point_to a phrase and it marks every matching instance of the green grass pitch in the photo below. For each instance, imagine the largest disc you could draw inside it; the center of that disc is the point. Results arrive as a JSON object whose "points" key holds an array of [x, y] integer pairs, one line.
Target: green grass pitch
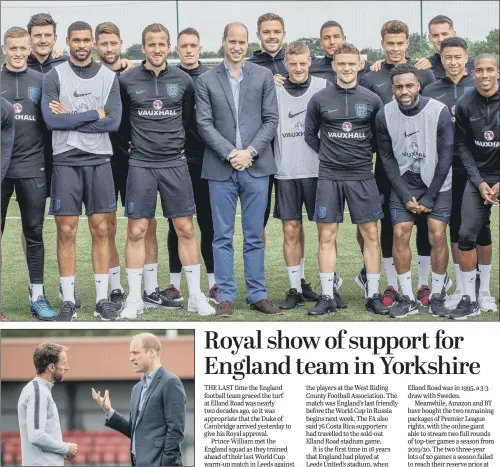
{"points": [[15, 274]]}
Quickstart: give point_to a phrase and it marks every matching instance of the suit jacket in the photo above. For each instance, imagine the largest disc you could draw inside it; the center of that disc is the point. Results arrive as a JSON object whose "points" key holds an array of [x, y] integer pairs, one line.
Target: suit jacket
{"points": [[159, 427], [216, 117]]}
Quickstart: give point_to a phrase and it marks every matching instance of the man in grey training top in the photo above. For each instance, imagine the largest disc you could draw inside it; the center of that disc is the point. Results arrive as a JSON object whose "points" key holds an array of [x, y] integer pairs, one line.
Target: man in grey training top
{"points": [[39, 427]]}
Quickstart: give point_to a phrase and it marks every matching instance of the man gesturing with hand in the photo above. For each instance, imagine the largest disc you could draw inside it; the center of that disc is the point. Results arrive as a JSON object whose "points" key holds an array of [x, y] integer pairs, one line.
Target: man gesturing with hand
{"points": [[157, 408]]}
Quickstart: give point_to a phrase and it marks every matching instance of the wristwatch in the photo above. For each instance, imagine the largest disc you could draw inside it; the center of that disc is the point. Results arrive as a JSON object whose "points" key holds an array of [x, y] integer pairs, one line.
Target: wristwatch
{"points": [[253, 152]]}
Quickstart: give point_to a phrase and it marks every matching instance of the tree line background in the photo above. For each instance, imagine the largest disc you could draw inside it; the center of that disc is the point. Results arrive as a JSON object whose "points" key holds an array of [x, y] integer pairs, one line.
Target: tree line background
{"points": [[419, 47]]}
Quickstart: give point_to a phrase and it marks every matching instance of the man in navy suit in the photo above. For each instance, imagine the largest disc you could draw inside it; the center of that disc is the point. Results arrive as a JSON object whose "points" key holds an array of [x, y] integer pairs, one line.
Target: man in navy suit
{"points": [[237, 115], [157, 408]]}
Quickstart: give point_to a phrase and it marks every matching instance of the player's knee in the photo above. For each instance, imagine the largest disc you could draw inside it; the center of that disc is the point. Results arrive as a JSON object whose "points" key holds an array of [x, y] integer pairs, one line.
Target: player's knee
{"points": [[327, 237], [66, 230], [401, 235], [33, 234], [136, 232], [484, 237], [466, 240], [370, 233], [100, 229], [291, 231], [185, 230], [437, 237]]}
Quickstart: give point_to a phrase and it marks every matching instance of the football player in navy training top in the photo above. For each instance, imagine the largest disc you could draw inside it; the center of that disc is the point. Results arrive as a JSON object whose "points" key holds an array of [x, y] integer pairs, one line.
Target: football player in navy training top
{"points": [[26, 174], [345, 116], [158, 102], [477, 141]]}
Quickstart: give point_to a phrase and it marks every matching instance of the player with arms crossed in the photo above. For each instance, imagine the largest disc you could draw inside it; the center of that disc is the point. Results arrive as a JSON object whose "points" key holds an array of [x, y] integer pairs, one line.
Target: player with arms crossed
{"points": [[158, 103], [81, 105], [345, 115], [39, 425], [415, 141], [477, 141]]}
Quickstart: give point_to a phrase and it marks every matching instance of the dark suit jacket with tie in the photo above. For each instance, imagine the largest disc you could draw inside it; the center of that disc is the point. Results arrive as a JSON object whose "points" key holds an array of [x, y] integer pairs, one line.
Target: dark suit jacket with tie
{"points": [[216, 118], [159, 427]]}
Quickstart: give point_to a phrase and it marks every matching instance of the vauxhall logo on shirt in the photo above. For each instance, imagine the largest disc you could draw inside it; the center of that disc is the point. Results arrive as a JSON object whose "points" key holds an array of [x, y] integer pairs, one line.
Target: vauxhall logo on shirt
{"points": [[18, 108], [347, 127], [489, 136], [294, 134], [413, 151], [157, 110]]}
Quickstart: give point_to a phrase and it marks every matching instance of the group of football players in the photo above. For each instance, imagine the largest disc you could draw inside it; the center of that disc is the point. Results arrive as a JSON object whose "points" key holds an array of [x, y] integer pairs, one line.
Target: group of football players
{"points": [[85, 131]]}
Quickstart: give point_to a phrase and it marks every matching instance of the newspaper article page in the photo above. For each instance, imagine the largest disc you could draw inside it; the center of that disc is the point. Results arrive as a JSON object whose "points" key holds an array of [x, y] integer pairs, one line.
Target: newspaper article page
{"points": [[347, 396]]}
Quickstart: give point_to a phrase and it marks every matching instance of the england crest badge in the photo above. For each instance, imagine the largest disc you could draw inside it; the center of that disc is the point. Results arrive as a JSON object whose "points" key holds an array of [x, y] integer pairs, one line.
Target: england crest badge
{"points": [[34, 94], [361, 110], [172, 90]]}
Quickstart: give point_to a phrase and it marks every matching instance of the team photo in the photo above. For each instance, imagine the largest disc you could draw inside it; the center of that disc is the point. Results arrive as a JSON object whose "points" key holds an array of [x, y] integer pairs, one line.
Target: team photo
{"points": [[329, 162]]}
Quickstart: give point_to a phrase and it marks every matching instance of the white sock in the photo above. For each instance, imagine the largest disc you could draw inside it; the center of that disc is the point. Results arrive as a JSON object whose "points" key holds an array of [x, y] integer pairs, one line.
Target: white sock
{"points": [[326, 283], [294, 277], [469, 282], [115, 278], [193, 279], [134, 279], [36, 291], [458, 279], [150, 278], [175, 279], [424, 267], [405, 284], [211, 279], [101, 286], [302, 268], [373, 281], [68, 288], [437, 283], [390, 272], [484, 277]]}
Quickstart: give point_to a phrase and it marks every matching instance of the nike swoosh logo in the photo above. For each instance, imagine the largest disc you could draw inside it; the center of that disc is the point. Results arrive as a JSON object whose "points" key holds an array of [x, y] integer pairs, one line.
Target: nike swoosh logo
{"points": [[81, 95], [98, 282], [414, 133], [39, 185], [140, 92], [473, 119], [3, 92], [291, 115], [149, 269], [332, 110], [330, 280], [439, 97], [381, 84], [159, 301], [115, 273]]}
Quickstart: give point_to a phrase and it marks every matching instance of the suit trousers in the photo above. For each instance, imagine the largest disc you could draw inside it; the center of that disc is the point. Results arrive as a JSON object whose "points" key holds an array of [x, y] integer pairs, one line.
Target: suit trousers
{"points": [[253, 192]]}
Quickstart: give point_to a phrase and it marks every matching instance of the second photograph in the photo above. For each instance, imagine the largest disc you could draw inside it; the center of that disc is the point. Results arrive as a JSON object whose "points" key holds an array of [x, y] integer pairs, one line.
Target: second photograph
{"points": [[97, 397]]}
